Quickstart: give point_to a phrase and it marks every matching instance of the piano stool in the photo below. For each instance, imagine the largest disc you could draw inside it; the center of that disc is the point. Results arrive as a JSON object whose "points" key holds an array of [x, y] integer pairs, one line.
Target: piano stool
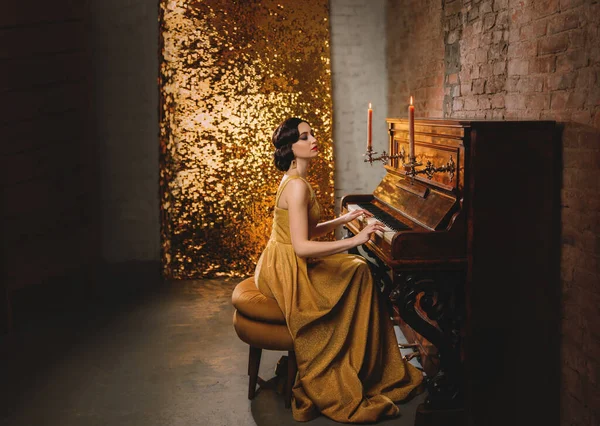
{"points": [[259, 322]]}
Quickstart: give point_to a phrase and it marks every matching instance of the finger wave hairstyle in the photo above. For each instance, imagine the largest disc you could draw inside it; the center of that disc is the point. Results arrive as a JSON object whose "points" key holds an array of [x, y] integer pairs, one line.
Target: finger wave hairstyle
{"points": [[283, 138]]}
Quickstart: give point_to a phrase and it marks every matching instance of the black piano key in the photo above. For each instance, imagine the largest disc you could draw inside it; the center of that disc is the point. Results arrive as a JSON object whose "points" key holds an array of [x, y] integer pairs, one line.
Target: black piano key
{"points": [[384, 217]]}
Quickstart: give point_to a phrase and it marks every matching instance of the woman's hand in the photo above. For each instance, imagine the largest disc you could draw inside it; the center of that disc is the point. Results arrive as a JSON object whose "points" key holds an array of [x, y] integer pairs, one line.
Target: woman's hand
{"points": [[364, 235], [350, 216]]}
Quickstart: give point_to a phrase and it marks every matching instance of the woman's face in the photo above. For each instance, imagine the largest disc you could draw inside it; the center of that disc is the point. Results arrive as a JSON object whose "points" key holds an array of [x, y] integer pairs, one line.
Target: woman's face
{"points": [[306, 147]]}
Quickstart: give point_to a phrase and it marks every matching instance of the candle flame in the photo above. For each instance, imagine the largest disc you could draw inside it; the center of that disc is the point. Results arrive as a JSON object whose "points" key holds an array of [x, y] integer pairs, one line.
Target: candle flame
{"points": [[411, 100], [369, 105]]}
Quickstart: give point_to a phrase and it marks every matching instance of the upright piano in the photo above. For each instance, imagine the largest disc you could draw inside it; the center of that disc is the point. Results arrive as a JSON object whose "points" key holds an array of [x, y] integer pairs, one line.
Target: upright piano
{"points": [[469, 263]]}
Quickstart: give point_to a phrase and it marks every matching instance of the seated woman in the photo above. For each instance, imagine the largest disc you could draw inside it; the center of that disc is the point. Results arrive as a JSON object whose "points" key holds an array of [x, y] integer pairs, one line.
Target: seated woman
{"points": [[349, 366]]}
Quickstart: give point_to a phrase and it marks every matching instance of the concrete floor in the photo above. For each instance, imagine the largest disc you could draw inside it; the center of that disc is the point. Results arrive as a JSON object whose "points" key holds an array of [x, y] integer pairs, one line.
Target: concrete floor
{"points": [[163, 356]]}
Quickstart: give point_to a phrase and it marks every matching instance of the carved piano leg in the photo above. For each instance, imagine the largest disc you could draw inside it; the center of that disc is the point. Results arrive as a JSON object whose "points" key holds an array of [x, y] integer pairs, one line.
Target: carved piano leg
{"points": [[435, 296]]}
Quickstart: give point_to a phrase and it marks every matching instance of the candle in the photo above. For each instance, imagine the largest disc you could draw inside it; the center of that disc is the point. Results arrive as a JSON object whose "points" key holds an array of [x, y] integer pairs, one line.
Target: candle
{"points": [[370, 128], [411, 130]]}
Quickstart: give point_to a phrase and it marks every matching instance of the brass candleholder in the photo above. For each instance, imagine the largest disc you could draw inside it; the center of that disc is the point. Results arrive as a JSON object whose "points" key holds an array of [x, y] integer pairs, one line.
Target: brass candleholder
{"points": [[430, 169], [410, 167], [384, 157]]}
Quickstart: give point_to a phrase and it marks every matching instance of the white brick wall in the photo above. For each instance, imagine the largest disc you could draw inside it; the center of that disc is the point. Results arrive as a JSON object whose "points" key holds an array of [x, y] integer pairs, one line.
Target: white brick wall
{"points": [[125, 53], [359, 76]]}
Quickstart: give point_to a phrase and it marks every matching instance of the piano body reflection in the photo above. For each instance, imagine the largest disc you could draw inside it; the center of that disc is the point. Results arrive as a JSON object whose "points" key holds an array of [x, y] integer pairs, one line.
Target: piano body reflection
{"points": [[470, 263]]}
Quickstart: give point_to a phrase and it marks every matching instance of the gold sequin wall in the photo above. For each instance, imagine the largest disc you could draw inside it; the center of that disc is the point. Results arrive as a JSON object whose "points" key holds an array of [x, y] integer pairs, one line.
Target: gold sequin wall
{"points": [[231, 71]]}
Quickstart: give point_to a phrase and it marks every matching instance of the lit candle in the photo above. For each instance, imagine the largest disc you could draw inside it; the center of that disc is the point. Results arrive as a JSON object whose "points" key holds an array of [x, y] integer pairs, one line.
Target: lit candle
{"points": [[411, 130], [370, 129]]}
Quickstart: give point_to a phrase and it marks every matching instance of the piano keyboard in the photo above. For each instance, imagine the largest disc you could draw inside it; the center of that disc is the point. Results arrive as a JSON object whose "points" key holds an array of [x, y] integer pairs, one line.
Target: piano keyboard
{"points": [[391, 224]]}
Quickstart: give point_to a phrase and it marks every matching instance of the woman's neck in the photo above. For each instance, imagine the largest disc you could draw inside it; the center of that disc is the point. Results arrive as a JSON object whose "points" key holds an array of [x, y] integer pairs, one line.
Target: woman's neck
{"points": [[301, 169]]}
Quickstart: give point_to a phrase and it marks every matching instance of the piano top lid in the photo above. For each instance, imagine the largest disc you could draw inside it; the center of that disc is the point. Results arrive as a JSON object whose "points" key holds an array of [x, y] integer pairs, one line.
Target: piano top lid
{"points": [[424, 205]]}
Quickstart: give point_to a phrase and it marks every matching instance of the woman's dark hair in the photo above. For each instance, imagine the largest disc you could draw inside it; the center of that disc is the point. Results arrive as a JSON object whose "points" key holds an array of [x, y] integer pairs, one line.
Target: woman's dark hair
{"points": [[286, 134]]}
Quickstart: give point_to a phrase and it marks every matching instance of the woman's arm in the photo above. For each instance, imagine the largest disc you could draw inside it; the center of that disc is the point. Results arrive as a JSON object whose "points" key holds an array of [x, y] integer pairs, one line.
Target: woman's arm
{"points": [[324, 228], [297, 196]]}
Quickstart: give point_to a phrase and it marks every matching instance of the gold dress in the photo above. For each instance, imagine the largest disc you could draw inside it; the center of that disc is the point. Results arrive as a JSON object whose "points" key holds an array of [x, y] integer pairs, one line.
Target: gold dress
{"points": [[349, 366]]}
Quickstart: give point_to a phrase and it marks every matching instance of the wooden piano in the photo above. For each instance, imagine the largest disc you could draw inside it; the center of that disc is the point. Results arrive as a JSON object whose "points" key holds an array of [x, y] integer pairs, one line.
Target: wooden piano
{"points": [[470, 264]]}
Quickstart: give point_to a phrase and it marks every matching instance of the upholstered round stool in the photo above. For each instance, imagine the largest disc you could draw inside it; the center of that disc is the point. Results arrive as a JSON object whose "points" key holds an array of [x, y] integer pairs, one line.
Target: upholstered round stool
{"points": [[259, 322]]}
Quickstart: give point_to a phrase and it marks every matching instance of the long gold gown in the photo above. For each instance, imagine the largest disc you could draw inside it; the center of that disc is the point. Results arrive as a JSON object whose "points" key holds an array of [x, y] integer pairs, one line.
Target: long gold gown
{"points": [[349, 366]]}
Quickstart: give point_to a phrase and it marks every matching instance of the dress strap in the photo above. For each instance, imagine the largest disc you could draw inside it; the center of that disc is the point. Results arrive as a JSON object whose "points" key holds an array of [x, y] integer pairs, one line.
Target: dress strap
{"points": [[282, 186]]}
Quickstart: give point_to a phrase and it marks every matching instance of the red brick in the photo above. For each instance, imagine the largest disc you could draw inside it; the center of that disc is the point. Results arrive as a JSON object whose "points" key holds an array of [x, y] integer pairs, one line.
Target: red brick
{"points": [[563, 22], [588, 139], [593, 369], [452, 8], [546, 7], [498, 101], [576, 360], [479, 86], [561, 81], [571, 158], [473, 13], [520, 17], [485, 39], [484, 102], [597, 120], [498, 114], [576, 38], [470, 103], [503, 20], [485, 7], [571, 317], [583, 117], [499, 68], [539, 27], [586, 78], [526, 32], [458, 104], [489, 21], [573, 59], [593, 99], [518, 67], [553, 44], [495, 84], [559, 101], [568, 4], [525, 49], [498, 36], [576, 100], [512, 83], [573, 412], [538, 101], [514, 102], [546, 64], [453, 79], [514, 34], [500, 5], [530, 84], [496, 51], [486, 70], [481, 55]]}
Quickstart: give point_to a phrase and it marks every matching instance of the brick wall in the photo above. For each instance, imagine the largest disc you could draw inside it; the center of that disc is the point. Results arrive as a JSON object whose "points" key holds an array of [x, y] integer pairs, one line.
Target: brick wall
{"points": [[48, 177], [526, 59], [125, 65], [358, 66], [415, 57]]}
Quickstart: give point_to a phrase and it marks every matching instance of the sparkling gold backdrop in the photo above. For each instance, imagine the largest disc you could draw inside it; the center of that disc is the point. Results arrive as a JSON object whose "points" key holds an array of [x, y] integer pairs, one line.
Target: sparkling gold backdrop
{"points": [[231, 71]]}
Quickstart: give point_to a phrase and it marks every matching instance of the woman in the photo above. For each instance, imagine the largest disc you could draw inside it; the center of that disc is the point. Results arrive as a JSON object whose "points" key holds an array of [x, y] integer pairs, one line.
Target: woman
{"points": [[349, 365]]}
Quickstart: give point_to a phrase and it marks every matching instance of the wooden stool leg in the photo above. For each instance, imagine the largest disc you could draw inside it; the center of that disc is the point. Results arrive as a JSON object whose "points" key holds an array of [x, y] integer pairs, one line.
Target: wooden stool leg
{"points": [[253, 365], [292, 368]]}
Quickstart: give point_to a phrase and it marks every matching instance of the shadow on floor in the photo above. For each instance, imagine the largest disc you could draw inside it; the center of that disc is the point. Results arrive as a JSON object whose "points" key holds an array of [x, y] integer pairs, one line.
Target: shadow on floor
{"points": [[137, 352]]}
